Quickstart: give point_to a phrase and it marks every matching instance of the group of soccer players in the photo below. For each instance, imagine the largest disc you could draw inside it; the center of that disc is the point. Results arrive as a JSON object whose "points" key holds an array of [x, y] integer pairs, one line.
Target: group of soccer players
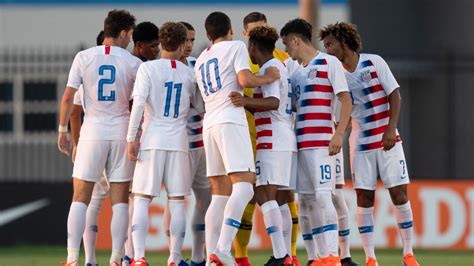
{"points": [[186, 124]]}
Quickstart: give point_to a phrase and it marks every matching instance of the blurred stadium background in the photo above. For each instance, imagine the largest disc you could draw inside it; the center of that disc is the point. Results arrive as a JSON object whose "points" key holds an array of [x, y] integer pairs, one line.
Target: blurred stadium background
{"points": [[428, 44]]}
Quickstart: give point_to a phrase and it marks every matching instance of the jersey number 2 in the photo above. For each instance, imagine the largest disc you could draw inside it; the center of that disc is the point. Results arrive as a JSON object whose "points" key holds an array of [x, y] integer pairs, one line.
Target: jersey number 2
{"points": [[104, 81], [169, 93]]}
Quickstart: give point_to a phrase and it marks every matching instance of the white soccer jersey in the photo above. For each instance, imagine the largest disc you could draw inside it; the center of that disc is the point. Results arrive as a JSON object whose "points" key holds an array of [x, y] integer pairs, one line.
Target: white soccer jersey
{"points": [[216, 73], [164, 89], [291, 65], [107, 74], [370, 84], [315, 87], [78, 96], [273, 127], [194, 124]]}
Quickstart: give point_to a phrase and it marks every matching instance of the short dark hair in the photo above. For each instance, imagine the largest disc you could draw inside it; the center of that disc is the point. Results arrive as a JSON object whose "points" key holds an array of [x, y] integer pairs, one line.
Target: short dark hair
{"points": [[187, 25], [264, 37], [345, 33], [172, 35], [117, 21], [217, 25], [254, 17], [100, 38], [145, 32], [299, 27]]}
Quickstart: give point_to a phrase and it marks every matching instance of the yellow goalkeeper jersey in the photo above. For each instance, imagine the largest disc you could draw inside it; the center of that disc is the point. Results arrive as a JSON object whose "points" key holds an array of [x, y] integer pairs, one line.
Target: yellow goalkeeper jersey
{"points": [[280, 55]]}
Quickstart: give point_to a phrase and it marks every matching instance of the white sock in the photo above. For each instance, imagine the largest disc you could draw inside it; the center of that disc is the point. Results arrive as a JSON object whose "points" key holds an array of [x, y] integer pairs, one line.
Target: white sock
{"points": [[76, 223], [287, 225], [214, 218], [177, 230], [365, 221], [129, 242], [90, 232], [140, 225], [329, 220], [305, 227], [315, 219], [118, 230], [343, 218], [405, 225], [242, 193], [273, 223], [203, 199], [166, 221]]}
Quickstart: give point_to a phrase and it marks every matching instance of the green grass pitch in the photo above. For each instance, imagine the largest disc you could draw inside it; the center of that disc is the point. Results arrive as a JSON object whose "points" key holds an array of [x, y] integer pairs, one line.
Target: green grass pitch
{"points": [[46, 256]]}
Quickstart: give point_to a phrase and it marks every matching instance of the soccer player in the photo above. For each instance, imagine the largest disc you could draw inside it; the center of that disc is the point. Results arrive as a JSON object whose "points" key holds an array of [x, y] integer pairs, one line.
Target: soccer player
{"points": [[285, 198], [221, 69], [162, 92], [276, 142], [106, 73], [197, 159], [375, 145], [316, 83]]}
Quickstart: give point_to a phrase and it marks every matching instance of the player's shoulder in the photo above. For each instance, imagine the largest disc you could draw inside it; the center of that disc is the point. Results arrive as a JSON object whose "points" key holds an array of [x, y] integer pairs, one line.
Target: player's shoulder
{"points": [[191, 61], [280, 55], [328, 59], [370, 59]]}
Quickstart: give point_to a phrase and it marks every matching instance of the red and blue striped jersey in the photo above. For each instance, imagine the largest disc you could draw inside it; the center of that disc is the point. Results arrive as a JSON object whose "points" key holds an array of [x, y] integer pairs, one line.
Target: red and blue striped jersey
{"points": [[370, 84], [315, 86]]}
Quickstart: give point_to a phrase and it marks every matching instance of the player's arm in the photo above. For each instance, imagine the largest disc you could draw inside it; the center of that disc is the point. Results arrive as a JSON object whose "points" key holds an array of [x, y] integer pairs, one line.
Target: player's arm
{"points": [[261, 104], [249, 80], [390, 136], [64, 142]]}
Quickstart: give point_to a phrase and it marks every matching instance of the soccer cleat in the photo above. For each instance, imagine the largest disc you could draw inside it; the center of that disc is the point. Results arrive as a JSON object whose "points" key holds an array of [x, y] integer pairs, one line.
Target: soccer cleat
{"points": [[220, 259], [183, 263], [127, 261], [349, 262], [333, 260], [243, 261], [310, 262], [74, 263], [295, 261], [90, 264], [371, 262], [203, 263], [318, 262], [140, 262], [409, 260], [288, 261], [114, 263], [279, 262]]}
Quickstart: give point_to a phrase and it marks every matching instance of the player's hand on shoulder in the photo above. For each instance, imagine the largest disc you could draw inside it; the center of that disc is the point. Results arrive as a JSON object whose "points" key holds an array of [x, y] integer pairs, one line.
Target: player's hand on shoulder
{"points": [[389, 138], [64, 142], [132, 151], [272, 73], [236, 98], [335, 145]]}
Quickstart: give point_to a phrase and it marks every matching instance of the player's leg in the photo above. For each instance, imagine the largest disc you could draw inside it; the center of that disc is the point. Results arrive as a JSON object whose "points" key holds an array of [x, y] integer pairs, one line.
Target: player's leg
{"points": [[202, 194], [177, 181], [364, 173], [90, 161], [166, 220], [306, 230], [119, 170], [394, 174], [146, 185], [342, 214], [89, 238], [129, 254], [322, 171], [242, 238], [282, 198]]}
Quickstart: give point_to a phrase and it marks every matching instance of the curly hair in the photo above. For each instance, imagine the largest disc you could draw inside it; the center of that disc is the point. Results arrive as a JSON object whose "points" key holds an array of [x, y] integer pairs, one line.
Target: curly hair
{"points": [[264, 37], [344, 32], [172, 35], [116, 21]]}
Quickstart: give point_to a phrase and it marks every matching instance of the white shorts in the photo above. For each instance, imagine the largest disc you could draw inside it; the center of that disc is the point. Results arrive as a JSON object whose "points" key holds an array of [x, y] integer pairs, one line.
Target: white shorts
{"points": [[273, 168], [228, 149], [389, 165], [316, 171], [95, 156], [340, 168], [155, 167], [294, 170], [197, 162], [101, 188]]}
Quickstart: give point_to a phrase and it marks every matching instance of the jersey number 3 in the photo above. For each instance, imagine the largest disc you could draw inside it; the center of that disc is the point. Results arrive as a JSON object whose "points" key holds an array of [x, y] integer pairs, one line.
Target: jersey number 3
{"points": [[103, 81]]}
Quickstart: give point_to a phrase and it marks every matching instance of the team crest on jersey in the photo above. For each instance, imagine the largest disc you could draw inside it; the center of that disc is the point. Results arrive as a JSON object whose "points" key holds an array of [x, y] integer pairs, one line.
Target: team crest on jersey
{"points": [[313, 73], [366, 76]]}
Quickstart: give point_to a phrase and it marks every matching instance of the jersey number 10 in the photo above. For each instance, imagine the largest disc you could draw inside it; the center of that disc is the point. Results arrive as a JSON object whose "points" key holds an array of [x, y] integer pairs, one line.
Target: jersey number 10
{"points": [[206, 76], [104, 81]]}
